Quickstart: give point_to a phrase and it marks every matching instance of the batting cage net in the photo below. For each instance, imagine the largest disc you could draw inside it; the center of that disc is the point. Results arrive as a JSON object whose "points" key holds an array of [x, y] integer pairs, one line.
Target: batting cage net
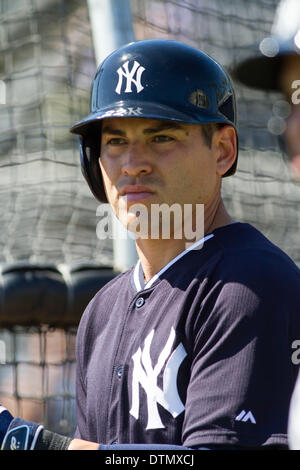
{"points": [[51, 259]]}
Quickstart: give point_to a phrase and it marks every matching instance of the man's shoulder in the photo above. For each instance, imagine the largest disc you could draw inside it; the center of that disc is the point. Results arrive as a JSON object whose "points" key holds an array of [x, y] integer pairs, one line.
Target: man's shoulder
{"points": [[248, 256], [242, 244], [250, 278]]}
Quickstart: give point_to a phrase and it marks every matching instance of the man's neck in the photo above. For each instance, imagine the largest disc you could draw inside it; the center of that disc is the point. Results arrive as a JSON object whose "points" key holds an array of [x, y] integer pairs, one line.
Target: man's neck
{"points": [[154, 254]]}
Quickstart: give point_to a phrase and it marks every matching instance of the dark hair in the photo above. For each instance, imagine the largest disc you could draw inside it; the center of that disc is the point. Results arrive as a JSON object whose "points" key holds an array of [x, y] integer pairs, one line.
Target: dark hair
{"points": [[208, 130]]}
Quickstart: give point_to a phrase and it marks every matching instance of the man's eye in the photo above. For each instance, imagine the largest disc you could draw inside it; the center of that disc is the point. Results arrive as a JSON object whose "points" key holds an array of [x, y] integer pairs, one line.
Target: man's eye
{"points": [[162, 138], [115, 141]]}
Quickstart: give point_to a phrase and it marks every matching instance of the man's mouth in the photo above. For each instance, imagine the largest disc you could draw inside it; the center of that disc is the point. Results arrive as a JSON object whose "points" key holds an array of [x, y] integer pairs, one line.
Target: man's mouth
{"points": [[136, 192]]}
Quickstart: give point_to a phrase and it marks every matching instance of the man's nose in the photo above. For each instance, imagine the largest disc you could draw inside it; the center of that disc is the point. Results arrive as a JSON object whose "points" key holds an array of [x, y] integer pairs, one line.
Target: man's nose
{"points": [[136, 160]]}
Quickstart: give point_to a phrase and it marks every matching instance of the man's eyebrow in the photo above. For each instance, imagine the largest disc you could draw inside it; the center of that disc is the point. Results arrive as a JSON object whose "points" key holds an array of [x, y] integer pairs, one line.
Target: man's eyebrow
{"points": [[164, 126], [161, 127], [110, 130]]}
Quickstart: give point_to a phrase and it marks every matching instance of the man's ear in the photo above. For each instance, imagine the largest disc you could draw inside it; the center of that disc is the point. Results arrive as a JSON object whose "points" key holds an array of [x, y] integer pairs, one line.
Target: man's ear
{"points": [[225, 143]]}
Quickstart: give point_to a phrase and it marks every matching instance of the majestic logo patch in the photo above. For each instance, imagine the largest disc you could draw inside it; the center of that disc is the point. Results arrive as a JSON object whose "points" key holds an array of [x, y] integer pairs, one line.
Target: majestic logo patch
{"points": [[133, 77], [243, 416], [146, 375]]}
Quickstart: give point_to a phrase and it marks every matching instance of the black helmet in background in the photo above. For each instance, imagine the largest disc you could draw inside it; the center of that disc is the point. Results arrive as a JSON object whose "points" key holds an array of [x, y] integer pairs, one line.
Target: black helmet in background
{"points": [[262, 68], [274, 65]]}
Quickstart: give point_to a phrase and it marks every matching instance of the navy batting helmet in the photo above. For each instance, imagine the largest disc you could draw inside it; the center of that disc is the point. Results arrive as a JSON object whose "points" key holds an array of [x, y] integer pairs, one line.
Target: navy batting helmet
{"points": [[154, 79]]}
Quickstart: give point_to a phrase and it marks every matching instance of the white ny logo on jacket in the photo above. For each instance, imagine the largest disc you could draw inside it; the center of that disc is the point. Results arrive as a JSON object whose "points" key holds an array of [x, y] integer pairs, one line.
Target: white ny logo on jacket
{"points": [[146, 375]]}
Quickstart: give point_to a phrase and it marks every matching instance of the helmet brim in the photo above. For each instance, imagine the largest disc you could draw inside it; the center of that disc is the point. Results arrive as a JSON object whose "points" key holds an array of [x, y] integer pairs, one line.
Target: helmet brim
{"points": [[147, 111]]}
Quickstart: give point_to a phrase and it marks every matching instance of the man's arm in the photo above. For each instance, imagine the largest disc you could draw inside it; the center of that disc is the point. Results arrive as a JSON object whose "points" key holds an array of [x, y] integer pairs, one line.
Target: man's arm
{"points": [[19, 434], [79, 444]]}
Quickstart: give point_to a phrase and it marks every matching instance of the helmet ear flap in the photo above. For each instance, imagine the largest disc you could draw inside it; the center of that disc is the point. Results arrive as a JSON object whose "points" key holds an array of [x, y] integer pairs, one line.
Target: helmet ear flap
{"points": [[89, 147]]}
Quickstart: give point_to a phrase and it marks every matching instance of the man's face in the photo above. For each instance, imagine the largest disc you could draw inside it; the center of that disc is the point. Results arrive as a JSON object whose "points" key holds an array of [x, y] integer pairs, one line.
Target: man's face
{"points": [[147, 161], [290, 85]]}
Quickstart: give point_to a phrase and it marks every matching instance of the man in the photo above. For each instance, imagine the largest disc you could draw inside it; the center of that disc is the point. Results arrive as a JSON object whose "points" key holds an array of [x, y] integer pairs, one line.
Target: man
{"points": [[191, 348], [275, 66]]}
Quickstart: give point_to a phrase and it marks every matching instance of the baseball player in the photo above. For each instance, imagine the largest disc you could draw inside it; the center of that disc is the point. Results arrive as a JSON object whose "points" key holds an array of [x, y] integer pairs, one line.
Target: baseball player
{"points": [[191, 347], [276, 67]]}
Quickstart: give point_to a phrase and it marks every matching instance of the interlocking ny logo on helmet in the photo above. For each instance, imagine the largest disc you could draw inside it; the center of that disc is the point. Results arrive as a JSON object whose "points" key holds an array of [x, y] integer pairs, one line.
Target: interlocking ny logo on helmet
{"points": [[154, 79], [124, 71]]}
